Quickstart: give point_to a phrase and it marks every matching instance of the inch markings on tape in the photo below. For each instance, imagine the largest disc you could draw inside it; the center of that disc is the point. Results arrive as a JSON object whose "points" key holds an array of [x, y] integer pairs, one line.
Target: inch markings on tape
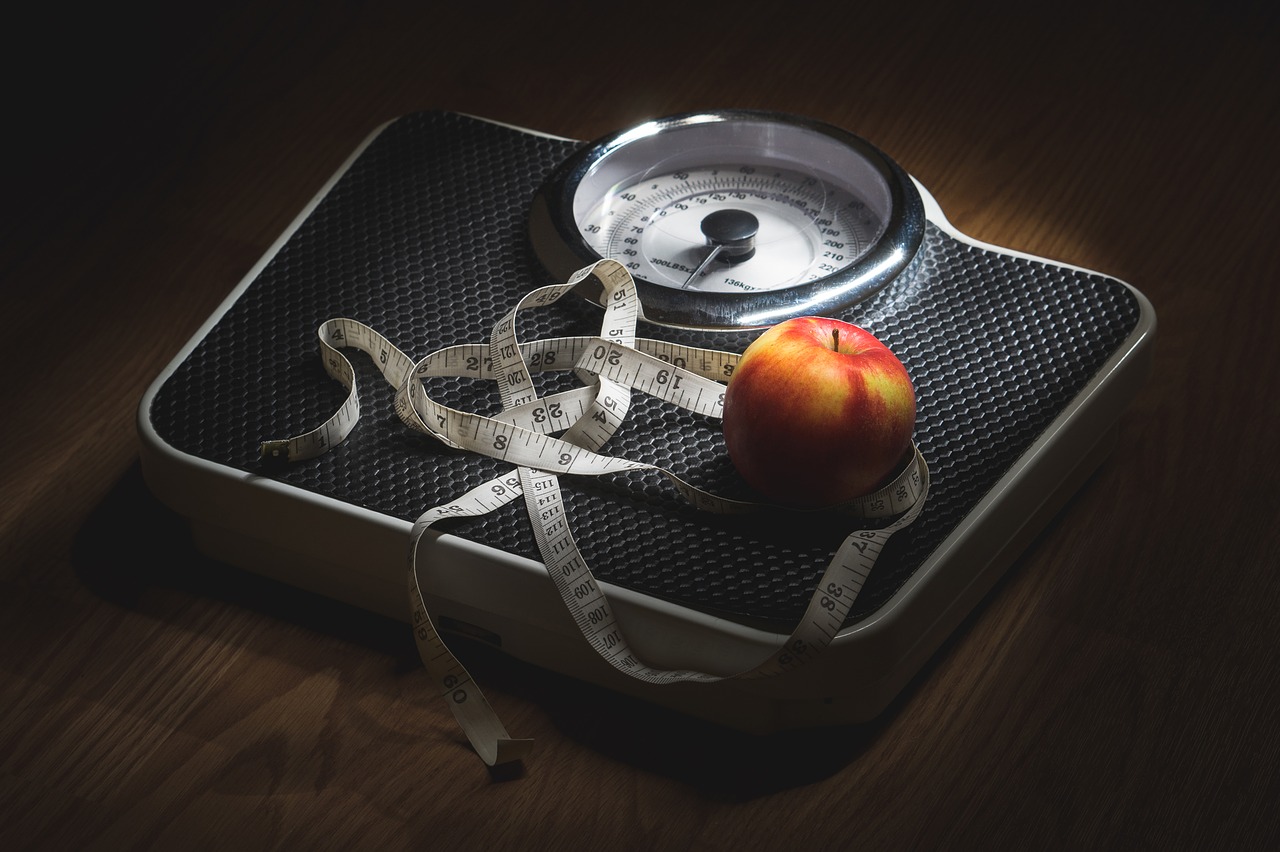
{"points": [[564, 433]]}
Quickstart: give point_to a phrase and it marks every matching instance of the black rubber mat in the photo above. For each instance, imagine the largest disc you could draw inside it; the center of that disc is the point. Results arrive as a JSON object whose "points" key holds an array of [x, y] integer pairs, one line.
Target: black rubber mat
{"points": [[423, 238]]}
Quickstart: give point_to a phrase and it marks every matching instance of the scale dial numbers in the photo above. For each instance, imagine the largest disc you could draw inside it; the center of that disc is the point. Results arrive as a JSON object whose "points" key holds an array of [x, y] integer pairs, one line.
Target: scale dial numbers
{"points": [[807, 229]]}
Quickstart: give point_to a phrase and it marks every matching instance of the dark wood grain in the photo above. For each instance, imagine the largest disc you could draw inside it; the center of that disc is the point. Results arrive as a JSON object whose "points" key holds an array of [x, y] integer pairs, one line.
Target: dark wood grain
{"points": [[1116, 690]]}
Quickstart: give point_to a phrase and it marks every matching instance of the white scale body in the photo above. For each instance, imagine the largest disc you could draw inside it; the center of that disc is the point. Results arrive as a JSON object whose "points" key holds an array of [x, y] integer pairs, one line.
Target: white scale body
{"points": [[248, 516]]}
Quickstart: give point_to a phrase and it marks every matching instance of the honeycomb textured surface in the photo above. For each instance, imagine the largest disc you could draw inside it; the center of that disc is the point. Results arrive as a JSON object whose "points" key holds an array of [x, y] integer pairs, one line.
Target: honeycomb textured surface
{"points": [[424, 239]]}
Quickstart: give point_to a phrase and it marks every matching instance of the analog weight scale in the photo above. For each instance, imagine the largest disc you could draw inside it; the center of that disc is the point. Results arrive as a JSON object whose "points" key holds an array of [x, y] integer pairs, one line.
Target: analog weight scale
{"points": [[440, 222]]}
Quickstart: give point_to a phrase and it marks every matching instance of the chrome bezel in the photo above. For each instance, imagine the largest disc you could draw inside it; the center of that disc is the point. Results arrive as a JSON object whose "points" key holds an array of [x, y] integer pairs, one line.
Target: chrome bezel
{"points": [[775, 138]]}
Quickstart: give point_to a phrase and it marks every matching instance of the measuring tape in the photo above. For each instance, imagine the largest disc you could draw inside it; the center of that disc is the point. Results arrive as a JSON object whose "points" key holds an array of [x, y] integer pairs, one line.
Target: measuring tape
{"points": [[563, 433]]}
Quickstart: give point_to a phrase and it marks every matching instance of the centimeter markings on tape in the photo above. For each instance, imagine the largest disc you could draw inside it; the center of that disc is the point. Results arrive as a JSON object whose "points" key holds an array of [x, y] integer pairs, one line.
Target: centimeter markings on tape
{"points": [[563, 433]]}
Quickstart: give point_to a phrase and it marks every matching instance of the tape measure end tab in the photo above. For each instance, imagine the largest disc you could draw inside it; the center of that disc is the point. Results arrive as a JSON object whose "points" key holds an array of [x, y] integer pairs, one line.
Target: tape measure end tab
{"points": [[512, 753], [275, 451]]}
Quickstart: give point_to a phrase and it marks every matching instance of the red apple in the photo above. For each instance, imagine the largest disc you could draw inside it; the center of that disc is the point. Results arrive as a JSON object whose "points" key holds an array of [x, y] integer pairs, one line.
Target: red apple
{"points": [[818, 411]]}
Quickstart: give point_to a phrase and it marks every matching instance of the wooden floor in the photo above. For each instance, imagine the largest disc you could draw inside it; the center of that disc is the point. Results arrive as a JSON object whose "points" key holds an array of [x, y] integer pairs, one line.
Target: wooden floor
{"points": [[1118, 689]]}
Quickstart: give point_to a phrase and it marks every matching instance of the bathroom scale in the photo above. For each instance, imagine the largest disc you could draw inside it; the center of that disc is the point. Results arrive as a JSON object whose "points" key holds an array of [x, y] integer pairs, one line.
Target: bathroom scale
{"points": [[493, 277]]}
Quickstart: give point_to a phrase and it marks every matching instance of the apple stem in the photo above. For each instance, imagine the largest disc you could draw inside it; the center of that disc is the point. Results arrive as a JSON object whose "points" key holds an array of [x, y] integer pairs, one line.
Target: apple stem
{"points": [[835, 339]]}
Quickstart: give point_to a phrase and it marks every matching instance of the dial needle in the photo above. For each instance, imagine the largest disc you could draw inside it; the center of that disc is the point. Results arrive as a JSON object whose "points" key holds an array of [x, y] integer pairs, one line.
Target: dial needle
{"points": [[731, 230], [711, 255]]}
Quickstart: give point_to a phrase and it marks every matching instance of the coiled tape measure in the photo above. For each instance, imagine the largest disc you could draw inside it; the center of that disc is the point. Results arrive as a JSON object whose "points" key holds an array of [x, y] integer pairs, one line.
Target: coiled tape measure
{"points": [[564, 433]]}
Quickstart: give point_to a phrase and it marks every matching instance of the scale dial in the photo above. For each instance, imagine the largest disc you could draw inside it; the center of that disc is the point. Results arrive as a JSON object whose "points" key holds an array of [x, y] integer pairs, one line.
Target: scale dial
{"points": [[734, 218]]}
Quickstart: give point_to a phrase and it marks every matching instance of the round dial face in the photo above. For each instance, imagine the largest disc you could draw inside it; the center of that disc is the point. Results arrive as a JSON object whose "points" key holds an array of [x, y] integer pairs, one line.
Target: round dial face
{"points": [[733, 219], [664, 228]]}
